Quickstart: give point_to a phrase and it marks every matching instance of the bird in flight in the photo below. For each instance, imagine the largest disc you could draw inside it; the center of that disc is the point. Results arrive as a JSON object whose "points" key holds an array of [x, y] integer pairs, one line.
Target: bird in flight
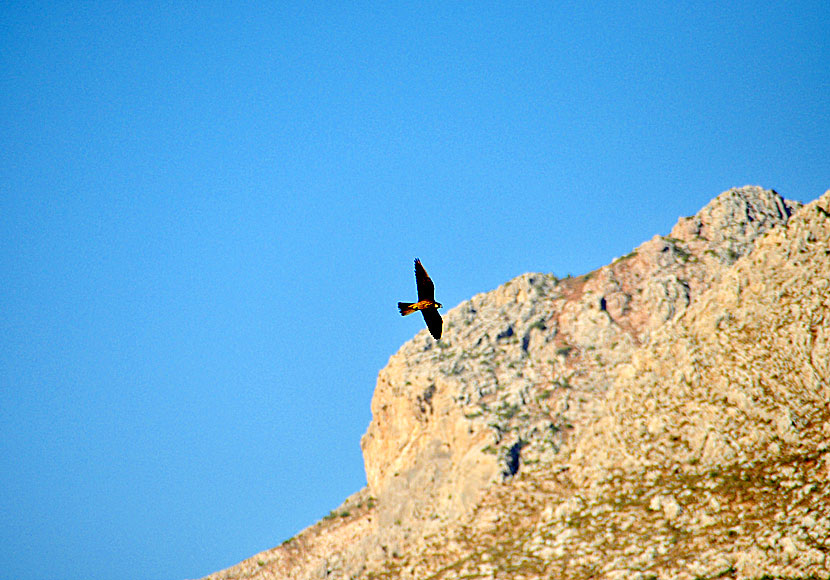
{"points": [[426, 301]]}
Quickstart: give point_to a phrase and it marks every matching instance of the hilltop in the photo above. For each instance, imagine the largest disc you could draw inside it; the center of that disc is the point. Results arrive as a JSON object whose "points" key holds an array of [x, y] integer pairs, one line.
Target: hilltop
{"points": [[665, 416]]}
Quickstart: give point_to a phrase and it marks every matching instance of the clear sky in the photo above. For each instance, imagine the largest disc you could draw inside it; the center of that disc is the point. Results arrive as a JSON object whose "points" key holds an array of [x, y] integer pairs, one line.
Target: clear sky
{"points": [[208, 212]]}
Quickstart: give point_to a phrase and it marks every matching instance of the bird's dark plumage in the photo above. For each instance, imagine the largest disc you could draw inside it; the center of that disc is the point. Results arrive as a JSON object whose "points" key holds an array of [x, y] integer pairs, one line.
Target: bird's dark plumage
{"points": [[426, 302], [434, 322], [426, 289]]}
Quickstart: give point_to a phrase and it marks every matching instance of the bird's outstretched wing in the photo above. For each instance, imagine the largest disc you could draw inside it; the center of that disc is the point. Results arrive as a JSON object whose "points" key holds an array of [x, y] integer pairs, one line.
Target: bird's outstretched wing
{"points": [[433, 320], [426, 289]]}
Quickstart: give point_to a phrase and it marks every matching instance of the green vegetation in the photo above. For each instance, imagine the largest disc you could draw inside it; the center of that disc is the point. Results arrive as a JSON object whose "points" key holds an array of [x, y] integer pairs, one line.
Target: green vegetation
{"points": [[630, 254], [508, 411]]}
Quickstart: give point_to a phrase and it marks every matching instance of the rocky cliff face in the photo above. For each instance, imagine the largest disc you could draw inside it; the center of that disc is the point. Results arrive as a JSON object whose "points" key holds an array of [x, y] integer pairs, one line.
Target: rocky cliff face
{"points": [[665, 415]]}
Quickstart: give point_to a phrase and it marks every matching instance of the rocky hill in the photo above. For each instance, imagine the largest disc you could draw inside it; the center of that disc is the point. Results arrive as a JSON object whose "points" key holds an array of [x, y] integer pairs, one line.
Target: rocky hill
{"points": [[665, 416]]}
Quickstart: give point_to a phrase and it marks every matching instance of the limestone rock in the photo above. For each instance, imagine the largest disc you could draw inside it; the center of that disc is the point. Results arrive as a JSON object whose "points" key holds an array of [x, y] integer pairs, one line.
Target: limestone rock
{"points": [[663, 416], [743, 375], [519, 367]]}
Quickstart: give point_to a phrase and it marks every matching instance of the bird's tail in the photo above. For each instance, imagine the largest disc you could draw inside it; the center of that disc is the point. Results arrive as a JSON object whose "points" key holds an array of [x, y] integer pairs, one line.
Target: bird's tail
{"points": [[406, 308]]}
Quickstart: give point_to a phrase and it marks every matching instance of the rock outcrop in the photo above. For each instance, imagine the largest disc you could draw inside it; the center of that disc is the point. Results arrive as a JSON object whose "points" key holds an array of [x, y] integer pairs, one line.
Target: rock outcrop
{"points": [[663, 416]]}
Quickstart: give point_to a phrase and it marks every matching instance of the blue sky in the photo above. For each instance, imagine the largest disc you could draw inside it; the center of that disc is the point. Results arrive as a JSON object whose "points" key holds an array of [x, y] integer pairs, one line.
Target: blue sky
{"points": [[209, 210]]}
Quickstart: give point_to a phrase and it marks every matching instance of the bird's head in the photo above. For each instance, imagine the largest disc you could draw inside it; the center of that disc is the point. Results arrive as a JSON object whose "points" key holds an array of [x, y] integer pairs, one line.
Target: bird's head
{"points": [[439, 305]]}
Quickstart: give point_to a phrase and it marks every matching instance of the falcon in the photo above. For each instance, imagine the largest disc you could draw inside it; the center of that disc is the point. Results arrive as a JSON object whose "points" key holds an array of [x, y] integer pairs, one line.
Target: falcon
{"points": [[426, 301]]}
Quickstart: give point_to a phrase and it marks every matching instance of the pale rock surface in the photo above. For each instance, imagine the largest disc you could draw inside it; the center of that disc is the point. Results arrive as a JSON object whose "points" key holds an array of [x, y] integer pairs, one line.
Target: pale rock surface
{"points": [[662, 417]]}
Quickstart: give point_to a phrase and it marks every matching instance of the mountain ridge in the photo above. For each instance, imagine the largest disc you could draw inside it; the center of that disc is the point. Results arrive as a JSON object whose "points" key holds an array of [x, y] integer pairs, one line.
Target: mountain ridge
{"points": [[544, 391]]}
